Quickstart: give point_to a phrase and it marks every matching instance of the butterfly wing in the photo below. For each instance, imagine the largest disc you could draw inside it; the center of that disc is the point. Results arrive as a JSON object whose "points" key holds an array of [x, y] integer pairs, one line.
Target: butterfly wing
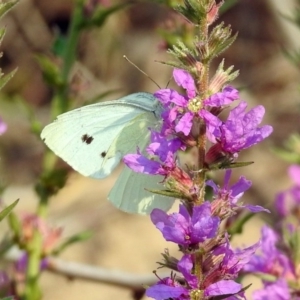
{"points": [[83, 137], [129, 194]]}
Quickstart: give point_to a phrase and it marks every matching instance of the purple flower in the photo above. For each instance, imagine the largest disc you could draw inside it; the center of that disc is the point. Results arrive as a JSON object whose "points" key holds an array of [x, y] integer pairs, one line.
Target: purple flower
{"points": [[167, 288], [270, 260], [159, 147], [240, 131], [184, 229], [233, 260], [278, 290], [176, 116], [289, 200], [226, 97], [227, 197]]}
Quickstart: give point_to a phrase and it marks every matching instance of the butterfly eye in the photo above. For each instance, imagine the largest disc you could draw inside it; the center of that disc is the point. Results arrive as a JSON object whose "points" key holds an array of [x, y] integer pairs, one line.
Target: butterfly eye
{"points": [[87, 139]]}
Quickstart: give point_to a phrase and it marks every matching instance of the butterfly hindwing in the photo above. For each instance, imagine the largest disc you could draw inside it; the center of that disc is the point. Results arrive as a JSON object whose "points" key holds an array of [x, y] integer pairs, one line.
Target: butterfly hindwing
{"points": [[129, 193]]}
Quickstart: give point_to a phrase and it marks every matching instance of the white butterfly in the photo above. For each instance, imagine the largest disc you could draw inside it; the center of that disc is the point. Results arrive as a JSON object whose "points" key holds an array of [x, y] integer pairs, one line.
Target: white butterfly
{"points": [[94, 138]]}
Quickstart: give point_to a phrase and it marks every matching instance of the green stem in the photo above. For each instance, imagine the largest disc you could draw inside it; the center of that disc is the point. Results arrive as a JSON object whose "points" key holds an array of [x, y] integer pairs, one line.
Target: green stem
{"points": [[60, 101], [202, 83]]}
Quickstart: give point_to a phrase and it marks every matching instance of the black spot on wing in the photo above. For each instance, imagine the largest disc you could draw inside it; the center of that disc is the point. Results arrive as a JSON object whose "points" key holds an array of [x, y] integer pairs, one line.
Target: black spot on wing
{"points": [[103, 154], [87, 139]]}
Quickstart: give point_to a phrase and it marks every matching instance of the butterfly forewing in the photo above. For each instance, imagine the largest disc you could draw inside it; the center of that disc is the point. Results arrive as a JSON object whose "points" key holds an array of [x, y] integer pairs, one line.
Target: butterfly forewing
{"points": [[83, 137]]}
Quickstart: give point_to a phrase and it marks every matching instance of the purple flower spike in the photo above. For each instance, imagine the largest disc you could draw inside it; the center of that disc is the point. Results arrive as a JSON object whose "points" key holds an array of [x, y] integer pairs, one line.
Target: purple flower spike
{"points": [[185, 230], [240, 131]]}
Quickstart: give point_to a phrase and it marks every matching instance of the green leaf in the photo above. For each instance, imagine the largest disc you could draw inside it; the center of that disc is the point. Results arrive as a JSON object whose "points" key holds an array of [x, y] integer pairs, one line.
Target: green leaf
{"points": [[238, 225], [79, 237], [4, 79], [51, 71], [228, 4], [226, 164], [6, 211], [6, 6], [59, 45], [8, 298], [14, 224], [101, 14]]}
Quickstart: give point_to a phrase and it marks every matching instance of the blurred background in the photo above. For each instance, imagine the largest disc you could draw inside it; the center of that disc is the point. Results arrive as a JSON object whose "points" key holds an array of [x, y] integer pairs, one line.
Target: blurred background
{"points": [[122, 241]]}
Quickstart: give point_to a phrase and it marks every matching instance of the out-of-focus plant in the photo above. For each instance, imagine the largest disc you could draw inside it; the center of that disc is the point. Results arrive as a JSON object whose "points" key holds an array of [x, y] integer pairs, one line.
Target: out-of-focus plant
{"points": [[31, 233]]}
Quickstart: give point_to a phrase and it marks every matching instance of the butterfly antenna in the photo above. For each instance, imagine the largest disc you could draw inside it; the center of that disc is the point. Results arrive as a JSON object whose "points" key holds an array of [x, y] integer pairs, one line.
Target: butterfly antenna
{"points": [[169, 82], [124, 56]]}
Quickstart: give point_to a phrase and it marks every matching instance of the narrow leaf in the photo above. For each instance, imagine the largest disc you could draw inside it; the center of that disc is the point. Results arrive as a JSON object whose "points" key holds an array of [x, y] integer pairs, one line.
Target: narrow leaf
{"points": [[5, 7], [7, 210], [80, 237]]}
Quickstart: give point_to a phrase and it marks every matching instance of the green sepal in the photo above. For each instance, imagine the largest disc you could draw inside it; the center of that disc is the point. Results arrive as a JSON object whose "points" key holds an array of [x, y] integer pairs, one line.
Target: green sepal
{"points": [[238, 225], [51, 72], [7, 210], [100, 15], [79, 237], [6, 6]]}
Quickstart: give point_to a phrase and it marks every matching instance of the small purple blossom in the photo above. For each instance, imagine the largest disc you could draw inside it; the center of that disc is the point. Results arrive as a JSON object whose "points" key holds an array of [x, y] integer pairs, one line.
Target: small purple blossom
{"points": [[270, 260], [167, 288], [289, 200], [159, 147], [177, 116], [234, 260], [240, 131], [231, 194], [184, 229], [278, 290]]}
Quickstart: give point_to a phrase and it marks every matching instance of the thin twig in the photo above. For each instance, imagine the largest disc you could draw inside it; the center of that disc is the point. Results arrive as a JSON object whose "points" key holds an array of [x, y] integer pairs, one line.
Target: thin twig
{"points": [[75, 270]]}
